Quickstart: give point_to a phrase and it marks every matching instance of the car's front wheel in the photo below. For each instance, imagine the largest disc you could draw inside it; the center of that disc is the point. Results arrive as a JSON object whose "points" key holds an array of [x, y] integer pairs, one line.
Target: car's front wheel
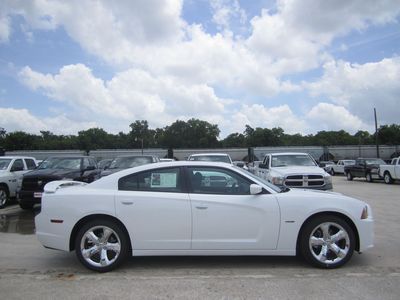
{"points": [[387, 178], [349, 176], [4, 197], [101, 245], [327, 242]]}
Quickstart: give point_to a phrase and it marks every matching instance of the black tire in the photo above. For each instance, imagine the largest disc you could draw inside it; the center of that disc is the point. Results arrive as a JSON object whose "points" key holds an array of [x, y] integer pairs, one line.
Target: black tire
{"points": [[4, 197], [332, 172], [26, 206], [314, 243], [116, 236], [368, 177], [349, 176], [387, 178]]}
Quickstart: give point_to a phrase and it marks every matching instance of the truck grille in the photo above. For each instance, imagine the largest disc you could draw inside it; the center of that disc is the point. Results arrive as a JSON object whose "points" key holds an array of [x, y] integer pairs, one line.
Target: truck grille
{"points": [[35, 184], [304, 181]]}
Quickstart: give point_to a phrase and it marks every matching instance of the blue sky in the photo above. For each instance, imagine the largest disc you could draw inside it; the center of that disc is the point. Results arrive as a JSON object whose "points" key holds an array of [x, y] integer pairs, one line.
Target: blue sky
{"points": [[304, 65]]}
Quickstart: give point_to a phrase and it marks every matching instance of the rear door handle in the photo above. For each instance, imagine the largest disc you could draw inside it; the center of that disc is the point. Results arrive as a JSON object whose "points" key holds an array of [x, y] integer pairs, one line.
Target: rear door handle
{"points": [[127, 202]]}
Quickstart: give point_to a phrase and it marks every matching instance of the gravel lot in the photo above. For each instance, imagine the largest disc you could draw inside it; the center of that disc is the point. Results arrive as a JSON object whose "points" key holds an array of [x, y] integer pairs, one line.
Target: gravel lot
{"points": [[27, 270]]}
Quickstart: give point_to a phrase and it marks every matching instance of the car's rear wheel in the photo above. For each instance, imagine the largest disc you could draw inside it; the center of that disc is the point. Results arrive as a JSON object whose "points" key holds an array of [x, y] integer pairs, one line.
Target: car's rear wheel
{"points": [[387, 178], [4, 197], [368, 177], [349, 176], [327, 242], [101, 245]]}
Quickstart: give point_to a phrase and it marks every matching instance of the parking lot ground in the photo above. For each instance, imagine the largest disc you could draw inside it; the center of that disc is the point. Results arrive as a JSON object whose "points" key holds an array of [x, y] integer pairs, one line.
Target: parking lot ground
{"points": [[27, 270]]}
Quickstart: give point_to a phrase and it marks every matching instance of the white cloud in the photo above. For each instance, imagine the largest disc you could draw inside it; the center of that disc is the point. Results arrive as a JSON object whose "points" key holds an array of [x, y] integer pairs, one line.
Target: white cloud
{"points": [[360, 88], [257, 115], [129, 95], [326, 116], [22, 120], [4, 29]]}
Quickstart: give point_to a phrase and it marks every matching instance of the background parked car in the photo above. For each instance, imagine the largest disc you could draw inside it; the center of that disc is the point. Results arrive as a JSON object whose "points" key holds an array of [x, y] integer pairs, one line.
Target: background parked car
{"points": [[339, 167], [364, 167], [12, 169], [128, 161], [254, 167], [104, 163], [240, 164], [216, 157], [78, 168], [294, 170], [390, 172]]}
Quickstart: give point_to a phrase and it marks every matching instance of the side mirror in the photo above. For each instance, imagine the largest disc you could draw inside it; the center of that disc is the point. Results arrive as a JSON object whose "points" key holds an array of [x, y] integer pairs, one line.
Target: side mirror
{"points": [[255, 189], [263, 166]]}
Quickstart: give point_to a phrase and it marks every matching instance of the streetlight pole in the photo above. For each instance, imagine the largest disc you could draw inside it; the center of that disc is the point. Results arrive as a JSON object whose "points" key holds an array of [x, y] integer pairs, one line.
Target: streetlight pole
{"points": [[376, 134]]}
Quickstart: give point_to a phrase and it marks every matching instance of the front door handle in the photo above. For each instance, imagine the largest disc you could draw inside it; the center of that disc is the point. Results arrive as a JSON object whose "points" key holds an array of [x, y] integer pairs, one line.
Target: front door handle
{"points": [[201, 207], [127, 202]]}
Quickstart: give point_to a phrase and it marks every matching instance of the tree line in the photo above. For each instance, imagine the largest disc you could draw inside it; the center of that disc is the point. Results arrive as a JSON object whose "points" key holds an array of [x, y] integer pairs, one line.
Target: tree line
{"points": [[193, 133]]}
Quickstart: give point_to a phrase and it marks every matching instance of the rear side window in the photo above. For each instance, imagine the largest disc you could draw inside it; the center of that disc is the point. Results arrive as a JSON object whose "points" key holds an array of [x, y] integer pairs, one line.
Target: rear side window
{"points": [[157, 180], [30, 164]]}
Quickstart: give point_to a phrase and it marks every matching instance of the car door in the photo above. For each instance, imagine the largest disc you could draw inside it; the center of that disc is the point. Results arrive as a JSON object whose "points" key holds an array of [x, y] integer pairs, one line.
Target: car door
{"points": [[17, 170], [156, 209], [226, 216]]}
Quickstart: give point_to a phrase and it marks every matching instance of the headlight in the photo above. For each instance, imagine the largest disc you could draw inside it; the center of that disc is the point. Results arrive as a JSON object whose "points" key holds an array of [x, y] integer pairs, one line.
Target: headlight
{"points": [[328, 179], [278, 180]]}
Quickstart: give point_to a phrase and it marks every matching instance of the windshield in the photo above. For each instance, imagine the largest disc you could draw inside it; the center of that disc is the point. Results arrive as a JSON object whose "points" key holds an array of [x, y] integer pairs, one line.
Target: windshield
{"points": [[216, 158], [375, 162], [130, 162], [292, 160], [73, 163], [263, 181], [4, 163]]}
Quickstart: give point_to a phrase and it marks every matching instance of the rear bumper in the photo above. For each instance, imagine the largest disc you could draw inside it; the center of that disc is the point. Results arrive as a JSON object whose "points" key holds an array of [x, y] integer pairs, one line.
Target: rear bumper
{"points": [[51, 235]]}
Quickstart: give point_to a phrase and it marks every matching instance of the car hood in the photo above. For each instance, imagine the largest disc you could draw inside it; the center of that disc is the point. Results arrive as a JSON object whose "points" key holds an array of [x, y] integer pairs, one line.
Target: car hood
{"points": [[52, 173], [4, 173], [299, 170]]}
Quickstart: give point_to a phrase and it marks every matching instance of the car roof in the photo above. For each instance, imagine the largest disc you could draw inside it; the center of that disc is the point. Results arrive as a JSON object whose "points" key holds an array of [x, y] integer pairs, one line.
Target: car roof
{"points": [[288, 153], [209, 154], [13, 157]]}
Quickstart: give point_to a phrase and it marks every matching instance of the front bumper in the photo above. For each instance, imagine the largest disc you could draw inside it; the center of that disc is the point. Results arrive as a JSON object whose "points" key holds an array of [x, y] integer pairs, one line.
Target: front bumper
{"points": [[29, 197], [366, 234]]}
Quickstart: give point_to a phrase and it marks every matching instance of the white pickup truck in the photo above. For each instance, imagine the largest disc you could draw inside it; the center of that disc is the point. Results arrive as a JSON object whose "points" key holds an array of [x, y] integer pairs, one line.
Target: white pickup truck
{"points": [[390, 172], [11, 170], [294, 170]]}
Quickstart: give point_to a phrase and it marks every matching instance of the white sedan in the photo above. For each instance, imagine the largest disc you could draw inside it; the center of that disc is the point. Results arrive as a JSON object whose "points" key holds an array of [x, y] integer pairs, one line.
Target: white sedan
{"points": [[198, 208]]}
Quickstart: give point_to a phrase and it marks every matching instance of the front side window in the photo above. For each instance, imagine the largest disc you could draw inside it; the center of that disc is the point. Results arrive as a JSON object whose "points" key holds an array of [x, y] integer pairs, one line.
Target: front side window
{"points": [[4, 162], [17, 165], [157, 180], [30, 164], [206, 180]]}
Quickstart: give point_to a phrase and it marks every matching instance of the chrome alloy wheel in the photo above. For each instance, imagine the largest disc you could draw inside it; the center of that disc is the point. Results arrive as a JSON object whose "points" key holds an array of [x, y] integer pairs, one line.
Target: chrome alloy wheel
{"points": [[3, 198], [329, 243], [100, 246]]}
